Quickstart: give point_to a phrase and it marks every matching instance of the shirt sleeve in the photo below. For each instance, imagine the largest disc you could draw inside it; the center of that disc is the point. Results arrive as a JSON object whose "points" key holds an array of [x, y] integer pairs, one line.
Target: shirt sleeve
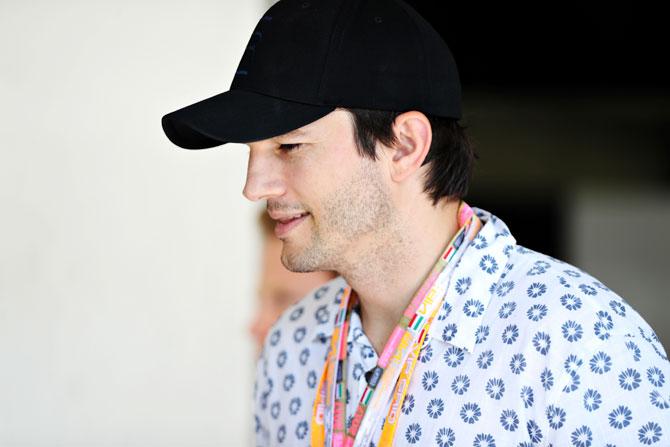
{"points": [[612, 392]]}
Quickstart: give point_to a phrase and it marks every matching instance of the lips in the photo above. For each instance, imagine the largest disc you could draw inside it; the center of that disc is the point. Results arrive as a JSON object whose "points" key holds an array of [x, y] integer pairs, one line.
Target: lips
{"points": [[289, 219], [285, 225]]}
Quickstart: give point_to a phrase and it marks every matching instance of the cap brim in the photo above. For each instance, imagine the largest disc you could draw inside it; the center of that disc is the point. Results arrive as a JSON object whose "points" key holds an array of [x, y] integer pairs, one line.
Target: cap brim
{"points": [[237, 116]]}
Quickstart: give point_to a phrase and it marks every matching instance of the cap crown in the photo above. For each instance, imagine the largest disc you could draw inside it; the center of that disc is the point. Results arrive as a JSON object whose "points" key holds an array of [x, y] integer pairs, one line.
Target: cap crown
{"points": [[376, 54]]}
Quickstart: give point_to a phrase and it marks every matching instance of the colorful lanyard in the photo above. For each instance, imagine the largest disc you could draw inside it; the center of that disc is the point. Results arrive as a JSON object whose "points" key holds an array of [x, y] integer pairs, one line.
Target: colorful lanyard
{"points": [[391, 375]]}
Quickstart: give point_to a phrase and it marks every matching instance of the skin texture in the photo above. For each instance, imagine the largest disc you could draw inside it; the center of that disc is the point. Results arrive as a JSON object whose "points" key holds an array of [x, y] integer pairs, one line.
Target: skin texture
{"points": [[370, 221], [278, 289]]}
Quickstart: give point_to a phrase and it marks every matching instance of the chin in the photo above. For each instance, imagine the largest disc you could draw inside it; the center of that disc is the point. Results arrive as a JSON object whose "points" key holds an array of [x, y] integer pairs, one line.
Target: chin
{"points": [[297, 262]]}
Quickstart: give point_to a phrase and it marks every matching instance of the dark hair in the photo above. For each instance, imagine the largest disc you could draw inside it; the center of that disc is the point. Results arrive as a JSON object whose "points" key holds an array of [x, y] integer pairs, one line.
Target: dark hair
{"points": [[451, 152]]}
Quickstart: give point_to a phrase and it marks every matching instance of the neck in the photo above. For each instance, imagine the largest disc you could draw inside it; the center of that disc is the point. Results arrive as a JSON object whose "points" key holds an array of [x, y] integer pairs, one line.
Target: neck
{"points": [[388, 271]]}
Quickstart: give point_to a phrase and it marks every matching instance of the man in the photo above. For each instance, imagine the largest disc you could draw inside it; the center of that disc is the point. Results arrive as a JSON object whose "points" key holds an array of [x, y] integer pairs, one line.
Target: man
{"points": [[441, 329], [278, 287]]}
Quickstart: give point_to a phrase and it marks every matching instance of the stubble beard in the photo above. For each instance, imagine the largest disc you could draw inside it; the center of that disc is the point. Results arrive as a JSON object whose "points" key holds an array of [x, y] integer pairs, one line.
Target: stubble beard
{"points": [[357, 215]]}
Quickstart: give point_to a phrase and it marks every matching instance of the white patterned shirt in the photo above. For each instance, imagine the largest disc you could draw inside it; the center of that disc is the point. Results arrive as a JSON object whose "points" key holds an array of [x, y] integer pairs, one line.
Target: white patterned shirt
{"points": [[526, 350]]}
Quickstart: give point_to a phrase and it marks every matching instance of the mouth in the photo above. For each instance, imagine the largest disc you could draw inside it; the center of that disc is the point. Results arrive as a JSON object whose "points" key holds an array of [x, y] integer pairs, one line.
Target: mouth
{"points": [[284, 226]]}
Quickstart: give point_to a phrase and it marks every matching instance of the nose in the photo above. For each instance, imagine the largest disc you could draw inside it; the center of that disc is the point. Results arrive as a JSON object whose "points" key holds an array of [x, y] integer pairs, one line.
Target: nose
{"points": [[264, 176]]}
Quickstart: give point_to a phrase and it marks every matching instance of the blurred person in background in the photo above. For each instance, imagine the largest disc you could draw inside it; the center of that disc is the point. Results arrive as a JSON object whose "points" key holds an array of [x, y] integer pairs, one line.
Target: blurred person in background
{"points": [[278, 287]]}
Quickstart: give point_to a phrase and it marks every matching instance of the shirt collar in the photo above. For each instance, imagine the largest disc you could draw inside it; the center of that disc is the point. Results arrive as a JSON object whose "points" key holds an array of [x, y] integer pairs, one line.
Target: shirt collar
{"points": [[474, 280], [326, 309], [476, 277]]}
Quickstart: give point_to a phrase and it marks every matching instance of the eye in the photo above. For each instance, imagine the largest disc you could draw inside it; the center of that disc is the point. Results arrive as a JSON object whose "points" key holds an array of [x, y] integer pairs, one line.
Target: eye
{"points": [[288, 147]]}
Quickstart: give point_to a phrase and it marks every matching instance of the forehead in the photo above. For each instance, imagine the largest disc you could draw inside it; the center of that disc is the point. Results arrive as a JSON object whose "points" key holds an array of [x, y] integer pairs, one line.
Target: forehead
{"points": [[334, 126], [301, 132], [332, 122]]}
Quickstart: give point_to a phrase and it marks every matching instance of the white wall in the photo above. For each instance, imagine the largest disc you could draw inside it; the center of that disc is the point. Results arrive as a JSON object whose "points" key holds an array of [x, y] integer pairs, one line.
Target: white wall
{"points": [[126, 263]]}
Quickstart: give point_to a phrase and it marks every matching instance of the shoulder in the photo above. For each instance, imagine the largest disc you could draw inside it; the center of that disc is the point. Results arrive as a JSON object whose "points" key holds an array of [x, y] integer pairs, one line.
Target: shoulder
{"points": [[588, 349], [572, 297], [578, 329]]}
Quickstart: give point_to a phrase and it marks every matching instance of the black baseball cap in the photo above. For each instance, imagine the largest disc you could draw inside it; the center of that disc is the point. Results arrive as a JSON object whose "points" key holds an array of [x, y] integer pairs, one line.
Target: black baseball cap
{"points": [[306, 58]]}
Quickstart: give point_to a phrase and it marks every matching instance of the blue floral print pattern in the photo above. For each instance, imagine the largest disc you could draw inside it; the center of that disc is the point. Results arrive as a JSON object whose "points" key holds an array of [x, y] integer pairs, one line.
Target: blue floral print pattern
{"points": [[526, 350]]}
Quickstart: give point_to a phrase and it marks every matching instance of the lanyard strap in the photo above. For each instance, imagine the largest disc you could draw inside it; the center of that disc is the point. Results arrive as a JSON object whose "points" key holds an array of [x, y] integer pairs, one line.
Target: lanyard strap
{"points": [[402, 385], [396, 363]]}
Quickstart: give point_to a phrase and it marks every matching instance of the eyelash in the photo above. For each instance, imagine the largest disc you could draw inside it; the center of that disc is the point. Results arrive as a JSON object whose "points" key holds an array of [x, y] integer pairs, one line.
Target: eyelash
{"points": [[289, 147]]}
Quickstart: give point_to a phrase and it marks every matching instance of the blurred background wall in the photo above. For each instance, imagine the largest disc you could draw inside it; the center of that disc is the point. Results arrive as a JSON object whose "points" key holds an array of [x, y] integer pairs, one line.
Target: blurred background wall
{"points": [[569, 107], [127, 265]]}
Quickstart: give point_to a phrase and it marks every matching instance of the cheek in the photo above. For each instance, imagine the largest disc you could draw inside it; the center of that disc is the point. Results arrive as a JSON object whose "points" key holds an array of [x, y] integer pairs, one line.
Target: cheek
{"points": [[317, 179]]}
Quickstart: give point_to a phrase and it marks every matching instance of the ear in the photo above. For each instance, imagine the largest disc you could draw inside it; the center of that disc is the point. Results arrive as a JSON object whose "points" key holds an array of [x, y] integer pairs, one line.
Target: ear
{"points": [[413, 132]]}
